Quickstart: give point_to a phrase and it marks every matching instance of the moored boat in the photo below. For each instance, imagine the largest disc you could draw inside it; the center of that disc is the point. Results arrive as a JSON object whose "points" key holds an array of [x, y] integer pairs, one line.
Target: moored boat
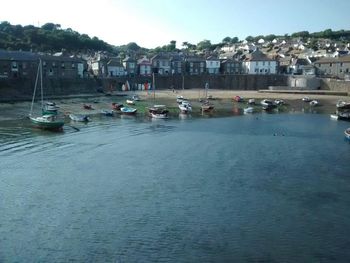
{"points": [[45, 121], [347, 134], [314, 103], [107, 112], [79, 117], [117, 106], [342, 105], [267, 104], [158, 112], [130, 102], [50, 108], [128, 110], [207, 106], [248, 110], [185, 107]]}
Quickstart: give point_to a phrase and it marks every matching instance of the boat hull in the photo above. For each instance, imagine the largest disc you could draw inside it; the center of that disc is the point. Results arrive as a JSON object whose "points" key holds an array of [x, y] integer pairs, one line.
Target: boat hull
{"points": [[55, 125]]}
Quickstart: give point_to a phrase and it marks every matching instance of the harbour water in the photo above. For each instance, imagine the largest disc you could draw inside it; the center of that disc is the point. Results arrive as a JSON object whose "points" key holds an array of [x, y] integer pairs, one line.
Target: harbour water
{"points": [[255, 188]]}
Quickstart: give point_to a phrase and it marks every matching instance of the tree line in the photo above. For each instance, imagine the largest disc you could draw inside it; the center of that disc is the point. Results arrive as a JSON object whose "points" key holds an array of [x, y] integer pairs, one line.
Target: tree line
{"points": [[52, 38]]}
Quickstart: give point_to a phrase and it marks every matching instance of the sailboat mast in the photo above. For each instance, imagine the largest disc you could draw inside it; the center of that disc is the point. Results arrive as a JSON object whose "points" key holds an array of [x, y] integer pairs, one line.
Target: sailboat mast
{"points": [[41, 84], [36, 84]]}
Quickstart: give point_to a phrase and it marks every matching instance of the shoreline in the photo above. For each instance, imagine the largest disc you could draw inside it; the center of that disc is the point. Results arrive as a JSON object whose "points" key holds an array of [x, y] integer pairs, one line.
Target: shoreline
{"points": [[222, 100]]}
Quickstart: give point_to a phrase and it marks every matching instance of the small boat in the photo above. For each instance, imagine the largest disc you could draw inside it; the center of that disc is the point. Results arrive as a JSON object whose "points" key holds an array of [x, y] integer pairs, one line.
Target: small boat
{"points": [[347, 134], [238, 98], [251, 101], [334, 116], [128, 110], [117, 106], [135, 97], [87, 107], [107, 112], [248, 110], [342, 105], [130, 102], [279, 102], [314, 103], [158, 112], [306, 99], [79, 117], [185, 107], [267, 104], [180, 99], [47, 122], [207, 106], [343, 115]]}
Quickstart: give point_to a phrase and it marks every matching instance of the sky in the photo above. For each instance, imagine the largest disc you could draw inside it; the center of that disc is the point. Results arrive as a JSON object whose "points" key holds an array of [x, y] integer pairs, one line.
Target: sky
{"points": [[154, 23]]}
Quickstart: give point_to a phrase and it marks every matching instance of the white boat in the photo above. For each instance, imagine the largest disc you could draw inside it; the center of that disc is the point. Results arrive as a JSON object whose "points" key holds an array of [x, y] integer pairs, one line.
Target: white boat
{"points": [[135, 97], [251, 101], [334, 116], [306, 99], [185, 107], [342, 105], [248, 110], [130, 102], [347, 133], [267, 104], [314, 103], [45, 121], [158, 112], [79, 117], [279, 102], [180, 99]]}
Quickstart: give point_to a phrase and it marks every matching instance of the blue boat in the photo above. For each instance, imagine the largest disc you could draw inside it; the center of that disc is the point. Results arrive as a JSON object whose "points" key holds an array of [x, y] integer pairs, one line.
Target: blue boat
{"points": [[128, 110]]}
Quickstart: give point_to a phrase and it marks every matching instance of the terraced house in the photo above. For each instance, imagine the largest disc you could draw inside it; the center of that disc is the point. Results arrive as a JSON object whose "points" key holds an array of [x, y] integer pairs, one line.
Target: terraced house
{"points": [[333, 67]]}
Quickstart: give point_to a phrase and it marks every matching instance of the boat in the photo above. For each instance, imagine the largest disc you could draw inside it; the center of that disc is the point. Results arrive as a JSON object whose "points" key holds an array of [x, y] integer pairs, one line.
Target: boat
{"points": [[334, 116], [314, 103], [180, 99], [343, 115], [107, 112], [128, 110], [185, 107], [238, 98], [267, 104], [117, 106], [130, 102], [158, 112], [347, 134], [87, 106], [135, 97], [306, 99], [248, 110], [279, 102], [207, 106], [45, 121], [251, 101], [79, 117], [342, 105]]}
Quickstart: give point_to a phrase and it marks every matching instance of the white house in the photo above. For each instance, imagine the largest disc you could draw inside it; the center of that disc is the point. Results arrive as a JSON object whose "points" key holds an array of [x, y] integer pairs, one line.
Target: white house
{"points": [[258, 63], [145, 66], [212, 65], [115, 68]]}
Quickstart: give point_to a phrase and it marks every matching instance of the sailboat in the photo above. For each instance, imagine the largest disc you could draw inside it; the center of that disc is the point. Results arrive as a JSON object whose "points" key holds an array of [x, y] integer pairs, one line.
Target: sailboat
{"points": [[45, 121]]}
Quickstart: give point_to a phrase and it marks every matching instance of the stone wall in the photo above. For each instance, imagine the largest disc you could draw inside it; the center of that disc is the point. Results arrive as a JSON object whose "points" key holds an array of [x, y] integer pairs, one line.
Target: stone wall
{"points": [[335, 85], [17, 89]]}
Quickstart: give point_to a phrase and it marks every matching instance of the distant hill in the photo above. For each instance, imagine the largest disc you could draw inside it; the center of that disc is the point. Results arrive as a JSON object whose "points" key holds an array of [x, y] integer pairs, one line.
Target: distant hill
{"points": [[48, 38]]}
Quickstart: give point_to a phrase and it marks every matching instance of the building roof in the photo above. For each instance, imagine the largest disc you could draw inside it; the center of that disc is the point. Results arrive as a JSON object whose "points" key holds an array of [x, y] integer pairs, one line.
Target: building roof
{"points": [[18, 55], [333, 60], [257, 55]]}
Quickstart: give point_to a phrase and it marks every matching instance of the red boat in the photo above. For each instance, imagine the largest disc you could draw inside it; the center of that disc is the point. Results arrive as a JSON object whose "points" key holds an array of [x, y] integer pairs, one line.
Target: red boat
{"points": [[238, 98], [117, 106]]}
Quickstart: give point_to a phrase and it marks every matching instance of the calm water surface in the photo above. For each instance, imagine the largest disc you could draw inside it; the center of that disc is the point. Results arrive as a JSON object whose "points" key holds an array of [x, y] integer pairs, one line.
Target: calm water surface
{"points": [[258, 188]]}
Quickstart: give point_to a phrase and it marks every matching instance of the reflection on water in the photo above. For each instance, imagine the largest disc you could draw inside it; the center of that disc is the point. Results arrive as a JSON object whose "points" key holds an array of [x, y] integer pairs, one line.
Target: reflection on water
{"points": [[253, 188]]}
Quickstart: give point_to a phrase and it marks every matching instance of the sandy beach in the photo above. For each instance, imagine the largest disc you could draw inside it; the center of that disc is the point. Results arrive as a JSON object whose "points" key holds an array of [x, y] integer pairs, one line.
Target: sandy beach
{"points": [[222, 100]]}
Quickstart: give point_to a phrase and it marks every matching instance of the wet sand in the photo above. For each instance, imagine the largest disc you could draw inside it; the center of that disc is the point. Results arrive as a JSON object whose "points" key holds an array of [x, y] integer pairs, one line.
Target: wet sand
{"points": [[222, 100]]}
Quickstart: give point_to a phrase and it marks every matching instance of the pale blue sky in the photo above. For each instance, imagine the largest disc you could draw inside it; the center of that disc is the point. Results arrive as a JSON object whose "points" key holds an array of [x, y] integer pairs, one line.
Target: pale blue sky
{"points": [[152, 23]]}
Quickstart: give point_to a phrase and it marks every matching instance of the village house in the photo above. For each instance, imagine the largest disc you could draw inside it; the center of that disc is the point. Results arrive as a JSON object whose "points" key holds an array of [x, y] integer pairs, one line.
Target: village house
{"points": [[161, 64], [230, 66], [115, 68], [212, 65], [63, 67], [130, 66], [258, 63], [333, 67], [177, 64], [17, 64], [194, 65], [144, 66]]}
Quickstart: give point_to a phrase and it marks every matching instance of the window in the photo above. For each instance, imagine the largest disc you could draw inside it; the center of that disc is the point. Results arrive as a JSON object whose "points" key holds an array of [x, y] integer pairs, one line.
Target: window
{"points": [[341, 64], [62, 65], [73, 65], [330, 64]]}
